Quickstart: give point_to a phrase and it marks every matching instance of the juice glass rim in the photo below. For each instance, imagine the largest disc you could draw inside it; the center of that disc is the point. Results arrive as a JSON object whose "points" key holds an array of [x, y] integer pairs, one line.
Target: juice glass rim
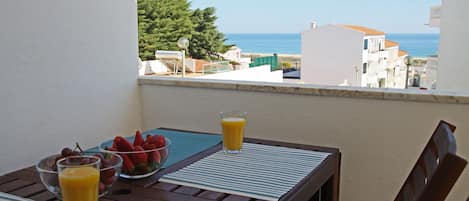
{"points": [[234, 113]]}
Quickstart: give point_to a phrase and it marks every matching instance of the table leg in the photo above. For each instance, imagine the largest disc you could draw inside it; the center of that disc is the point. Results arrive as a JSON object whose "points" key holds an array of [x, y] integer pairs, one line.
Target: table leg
{"points": [[330, 190]]}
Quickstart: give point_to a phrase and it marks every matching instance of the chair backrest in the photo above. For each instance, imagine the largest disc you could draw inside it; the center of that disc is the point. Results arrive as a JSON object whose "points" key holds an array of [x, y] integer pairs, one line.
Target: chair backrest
{"points": [[437, 169]]}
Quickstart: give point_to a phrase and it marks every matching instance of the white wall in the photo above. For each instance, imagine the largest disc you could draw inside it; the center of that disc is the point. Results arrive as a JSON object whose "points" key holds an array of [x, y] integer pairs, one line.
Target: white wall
{"points": [[256, 74], [380, 140], [68, 73], [453, 70], [330, 54]]}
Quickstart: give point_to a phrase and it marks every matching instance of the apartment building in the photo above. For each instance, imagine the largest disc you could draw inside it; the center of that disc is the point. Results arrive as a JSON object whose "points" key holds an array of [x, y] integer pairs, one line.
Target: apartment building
{"points": [[395, 68], [356, 55]]}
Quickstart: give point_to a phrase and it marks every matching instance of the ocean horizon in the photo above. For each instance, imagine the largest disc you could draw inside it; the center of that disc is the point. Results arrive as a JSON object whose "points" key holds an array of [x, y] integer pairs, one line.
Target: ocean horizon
{"points": [[417, 44]]}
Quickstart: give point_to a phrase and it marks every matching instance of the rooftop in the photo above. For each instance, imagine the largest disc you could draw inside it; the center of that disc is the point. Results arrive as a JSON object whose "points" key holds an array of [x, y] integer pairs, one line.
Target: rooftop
{"points": [[366, 30], [389, 43], [403, 53]]}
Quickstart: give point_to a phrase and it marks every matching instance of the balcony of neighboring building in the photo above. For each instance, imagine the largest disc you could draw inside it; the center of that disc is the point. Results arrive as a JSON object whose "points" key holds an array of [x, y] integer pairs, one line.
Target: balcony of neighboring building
{"points": [[383, 54]]}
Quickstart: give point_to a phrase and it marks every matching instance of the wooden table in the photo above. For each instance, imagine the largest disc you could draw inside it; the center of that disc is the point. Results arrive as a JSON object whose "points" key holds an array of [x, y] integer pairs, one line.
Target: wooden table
{"points": [[321, 184]]}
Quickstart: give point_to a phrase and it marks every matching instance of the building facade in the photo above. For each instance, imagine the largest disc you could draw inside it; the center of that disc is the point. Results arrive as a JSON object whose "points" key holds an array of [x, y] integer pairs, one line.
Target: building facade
{"points": [[350, 55], [452, 58]]}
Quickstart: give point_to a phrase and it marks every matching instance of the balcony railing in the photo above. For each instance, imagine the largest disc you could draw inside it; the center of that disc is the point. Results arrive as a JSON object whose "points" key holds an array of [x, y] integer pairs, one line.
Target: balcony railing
{"points": [[373, 122]]}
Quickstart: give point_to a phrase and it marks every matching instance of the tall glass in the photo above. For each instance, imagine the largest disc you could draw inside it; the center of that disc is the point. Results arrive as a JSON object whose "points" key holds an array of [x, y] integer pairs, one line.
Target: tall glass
{"points": [[233, 124], [79, 178]]}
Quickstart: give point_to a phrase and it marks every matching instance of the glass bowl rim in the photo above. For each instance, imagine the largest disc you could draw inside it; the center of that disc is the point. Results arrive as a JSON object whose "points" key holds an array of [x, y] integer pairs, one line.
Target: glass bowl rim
{"points": [[42, 170]]}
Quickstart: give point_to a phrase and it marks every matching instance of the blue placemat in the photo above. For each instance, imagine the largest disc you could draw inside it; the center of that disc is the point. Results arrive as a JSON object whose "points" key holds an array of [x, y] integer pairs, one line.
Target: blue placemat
{"points": [[183, 143]]}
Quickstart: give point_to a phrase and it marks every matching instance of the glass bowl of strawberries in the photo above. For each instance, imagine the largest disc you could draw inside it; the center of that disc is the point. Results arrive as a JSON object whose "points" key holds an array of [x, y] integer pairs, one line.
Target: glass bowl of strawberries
{"points": [[110, 167], [141, 157]]}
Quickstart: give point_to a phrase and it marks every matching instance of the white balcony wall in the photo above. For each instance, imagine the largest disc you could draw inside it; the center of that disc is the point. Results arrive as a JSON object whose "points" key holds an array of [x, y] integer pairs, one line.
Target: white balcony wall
{"points": [[68, 73], [453, 70], [380, 140]]}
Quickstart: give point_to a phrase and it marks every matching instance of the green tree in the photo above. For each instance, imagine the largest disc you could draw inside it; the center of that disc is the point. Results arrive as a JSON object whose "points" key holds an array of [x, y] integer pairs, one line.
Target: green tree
{"points": [[206, 40], [161, 23]]}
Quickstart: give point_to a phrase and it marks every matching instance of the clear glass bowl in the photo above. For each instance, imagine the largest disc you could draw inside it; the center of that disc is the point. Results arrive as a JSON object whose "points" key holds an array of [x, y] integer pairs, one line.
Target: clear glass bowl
{"points": [[155, 160], [108, 175]]}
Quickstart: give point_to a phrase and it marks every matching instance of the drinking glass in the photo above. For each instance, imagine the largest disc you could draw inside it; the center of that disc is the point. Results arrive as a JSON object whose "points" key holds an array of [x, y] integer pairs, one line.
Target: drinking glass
{"points": [[233, 124], [79, 178]]}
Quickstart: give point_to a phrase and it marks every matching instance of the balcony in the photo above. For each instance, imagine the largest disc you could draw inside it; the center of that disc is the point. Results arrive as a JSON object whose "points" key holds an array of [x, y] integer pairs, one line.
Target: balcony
{"points": [[311, 116], [57, 91], [383, 54]]}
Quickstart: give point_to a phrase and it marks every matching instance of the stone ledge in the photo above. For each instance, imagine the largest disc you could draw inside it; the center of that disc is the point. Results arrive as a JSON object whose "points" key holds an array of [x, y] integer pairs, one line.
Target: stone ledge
{"points": [[446, 97]]}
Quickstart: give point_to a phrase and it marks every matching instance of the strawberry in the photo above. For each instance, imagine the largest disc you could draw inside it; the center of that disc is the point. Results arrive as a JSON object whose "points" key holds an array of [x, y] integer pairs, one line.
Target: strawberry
{"points": [[140, 159], [138, 141], [148, 139], [148, 146], [123, 144], [158, 141], [102, 187], [128, 166], [154, 156]]}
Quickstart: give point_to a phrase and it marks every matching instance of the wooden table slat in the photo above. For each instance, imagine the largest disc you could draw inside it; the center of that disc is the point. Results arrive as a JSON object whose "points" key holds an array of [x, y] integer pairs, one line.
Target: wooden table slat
{"points": [[131, 197], [105, 199], [6, 179], [44, 196], [165, 186], [236, 198], [212, 195], [29, 190], [13, 185], [152, 193], [187, 190], [25, 175]]}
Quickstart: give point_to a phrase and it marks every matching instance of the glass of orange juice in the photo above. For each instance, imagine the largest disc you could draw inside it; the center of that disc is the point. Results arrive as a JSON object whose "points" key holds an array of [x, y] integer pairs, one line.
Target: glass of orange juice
{"points": [[232, 124], [79, 178]]}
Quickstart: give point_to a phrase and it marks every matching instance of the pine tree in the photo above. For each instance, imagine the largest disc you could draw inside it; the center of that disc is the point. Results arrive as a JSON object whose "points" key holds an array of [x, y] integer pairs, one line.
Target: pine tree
{"points": [[206, 39], [161, 24]]}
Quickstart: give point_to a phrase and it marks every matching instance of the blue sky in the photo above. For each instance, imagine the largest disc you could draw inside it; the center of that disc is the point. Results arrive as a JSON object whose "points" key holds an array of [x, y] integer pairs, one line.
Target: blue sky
{"points": [[293, 16]]}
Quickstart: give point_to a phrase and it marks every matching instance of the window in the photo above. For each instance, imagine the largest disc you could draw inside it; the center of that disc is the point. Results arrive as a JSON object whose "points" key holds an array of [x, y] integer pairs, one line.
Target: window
{"points": [[366, 44], [365, 66]]}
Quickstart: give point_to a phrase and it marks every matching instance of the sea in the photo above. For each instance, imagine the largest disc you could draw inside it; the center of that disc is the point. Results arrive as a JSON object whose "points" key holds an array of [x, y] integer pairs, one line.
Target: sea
{"points": [[418, 45]]}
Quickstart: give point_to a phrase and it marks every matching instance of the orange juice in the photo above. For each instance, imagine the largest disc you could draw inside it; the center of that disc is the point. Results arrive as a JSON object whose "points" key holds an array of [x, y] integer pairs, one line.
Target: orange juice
{"points": [[79, 184], [233, 132]]}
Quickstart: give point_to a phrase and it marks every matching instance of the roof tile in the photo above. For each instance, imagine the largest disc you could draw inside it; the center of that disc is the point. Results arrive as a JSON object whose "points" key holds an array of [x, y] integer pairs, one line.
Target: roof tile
{"points": [[366, 30]]}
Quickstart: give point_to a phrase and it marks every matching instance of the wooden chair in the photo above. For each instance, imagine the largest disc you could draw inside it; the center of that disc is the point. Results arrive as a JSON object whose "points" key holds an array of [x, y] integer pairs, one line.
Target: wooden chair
{"points": [[437, 169]]}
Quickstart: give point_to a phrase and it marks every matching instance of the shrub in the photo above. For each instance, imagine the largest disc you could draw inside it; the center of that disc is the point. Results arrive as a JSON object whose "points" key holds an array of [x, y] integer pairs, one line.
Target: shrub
{"points": [[286, 65]]}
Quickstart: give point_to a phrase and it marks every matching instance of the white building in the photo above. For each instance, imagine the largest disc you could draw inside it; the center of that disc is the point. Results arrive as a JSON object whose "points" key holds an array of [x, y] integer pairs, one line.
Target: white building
{"points": [[430, 74], [356, 55], [452, 69], [234, 54], [396, 67]]}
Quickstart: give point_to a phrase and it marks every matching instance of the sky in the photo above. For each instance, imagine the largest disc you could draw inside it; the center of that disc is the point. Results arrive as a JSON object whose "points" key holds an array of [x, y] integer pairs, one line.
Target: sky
{"points": [[294, 16]]}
